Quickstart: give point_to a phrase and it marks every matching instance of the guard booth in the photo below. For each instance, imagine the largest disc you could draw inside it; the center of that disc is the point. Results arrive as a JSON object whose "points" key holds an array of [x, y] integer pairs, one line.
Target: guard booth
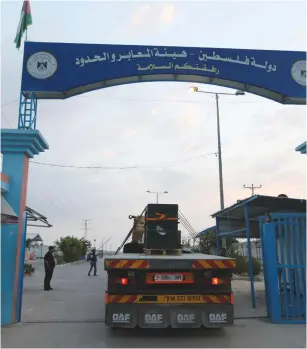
{"points": [[280, 223]]}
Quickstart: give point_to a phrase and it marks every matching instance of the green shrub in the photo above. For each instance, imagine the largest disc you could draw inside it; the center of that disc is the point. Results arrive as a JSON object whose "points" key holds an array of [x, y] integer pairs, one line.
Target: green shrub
{"points": [[256, 266], [242, 266], [28, 268]]}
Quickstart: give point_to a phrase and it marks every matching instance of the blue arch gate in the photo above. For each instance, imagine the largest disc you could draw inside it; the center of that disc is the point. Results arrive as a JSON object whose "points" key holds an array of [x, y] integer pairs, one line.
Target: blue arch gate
{"points": [[283, 239]]}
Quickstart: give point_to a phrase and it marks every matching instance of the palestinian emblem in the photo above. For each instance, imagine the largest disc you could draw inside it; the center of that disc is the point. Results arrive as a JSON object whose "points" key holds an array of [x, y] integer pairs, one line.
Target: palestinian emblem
{"points": [[298, 72], [42, 65]]}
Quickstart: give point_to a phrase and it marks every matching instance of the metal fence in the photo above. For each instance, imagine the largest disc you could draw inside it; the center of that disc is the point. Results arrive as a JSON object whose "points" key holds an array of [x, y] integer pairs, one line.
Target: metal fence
{"points": [[283, 239]]}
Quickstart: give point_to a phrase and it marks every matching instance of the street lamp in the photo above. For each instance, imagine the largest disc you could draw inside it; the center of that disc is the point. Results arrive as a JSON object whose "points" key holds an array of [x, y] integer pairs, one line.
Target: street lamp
{"points": [[157, 193], [237, 93]]}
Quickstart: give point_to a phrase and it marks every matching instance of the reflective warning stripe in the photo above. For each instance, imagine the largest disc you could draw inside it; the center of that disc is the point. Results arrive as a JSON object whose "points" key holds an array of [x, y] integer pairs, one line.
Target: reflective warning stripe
{"points": [[162, 219], [122, 299], [214, 264], [169, 299], [126, 264]]}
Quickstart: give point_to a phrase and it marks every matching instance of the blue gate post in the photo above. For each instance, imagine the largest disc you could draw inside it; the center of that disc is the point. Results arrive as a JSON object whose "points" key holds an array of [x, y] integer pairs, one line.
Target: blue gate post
{"points": [[250, 262], [21, 268], [264, 258], [271, 271], [217, 236], [17, 147]]}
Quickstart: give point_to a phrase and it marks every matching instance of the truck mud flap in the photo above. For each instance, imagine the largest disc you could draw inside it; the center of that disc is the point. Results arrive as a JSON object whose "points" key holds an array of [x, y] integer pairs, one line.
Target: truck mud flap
{"points": [[185, 317], [121, 315], [216, 316], [162, 316], [154, 317]]}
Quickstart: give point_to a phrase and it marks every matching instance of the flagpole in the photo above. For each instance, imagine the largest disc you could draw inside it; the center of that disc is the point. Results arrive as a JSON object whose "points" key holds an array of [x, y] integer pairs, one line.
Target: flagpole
{"points": [[26, 38]]}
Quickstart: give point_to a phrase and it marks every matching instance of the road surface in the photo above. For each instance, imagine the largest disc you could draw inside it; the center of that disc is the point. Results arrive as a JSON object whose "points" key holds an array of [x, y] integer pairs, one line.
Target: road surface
{"points": [[72, 316]]}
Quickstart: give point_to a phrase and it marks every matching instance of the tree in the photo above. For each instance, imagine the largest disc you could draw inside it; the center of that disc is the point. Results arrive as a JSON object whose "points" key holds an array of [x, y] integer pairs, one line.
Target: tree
{"points": [[207, 242], [71, 247], [86, 245], [28, 243]]}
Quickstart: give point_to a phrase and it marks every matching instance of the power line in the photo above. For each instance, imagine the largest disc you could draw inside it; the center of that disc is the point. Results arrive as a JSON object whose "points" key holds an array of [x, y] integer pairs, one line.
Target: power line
{"points": [[148, 100], [170, 163], [5, 104]]}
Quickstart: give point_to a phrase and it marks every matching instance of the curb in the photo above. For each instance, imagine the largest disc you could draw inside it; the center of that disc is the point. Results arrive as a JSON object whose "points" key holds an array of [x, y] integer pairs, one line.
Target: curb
{"points": [[247, 278], [66, 264]]}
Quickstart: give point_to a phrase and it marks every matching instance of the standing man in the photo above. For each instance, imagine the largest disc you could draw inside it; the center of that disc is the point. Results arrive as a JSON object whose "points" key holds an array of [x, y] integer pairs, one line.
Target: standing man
{"points": [[93, 260], [49, 267]]}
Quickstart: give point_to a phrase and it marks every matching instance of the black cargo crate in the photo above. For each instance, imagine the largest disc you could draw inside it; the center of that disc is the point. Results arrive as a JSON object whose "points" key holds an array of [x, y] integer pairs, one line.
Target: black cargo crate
{"points": [[165, 225], [168, 239], [169, 210]]}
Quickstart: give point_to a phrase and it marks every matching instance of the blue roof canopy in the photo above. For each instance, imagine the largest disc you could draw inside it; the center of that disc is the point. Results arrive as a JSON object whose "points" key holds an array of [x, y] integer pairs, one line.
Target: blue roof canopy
{"points": [[301, 148]]}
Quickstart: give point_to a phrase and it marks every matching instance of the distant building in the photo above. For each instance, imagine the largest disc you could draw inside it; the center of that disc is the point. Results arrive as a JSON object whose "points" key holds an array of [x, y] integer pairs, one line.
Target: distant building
{"points": [[241, 247]]}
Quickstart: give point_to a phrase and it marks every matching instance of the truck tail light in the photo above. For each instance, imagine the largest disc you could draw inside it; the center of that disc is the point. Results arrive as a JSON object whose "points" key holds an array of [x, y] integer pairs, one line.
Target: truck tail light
{"points": [[215, 281], [124, 281]]}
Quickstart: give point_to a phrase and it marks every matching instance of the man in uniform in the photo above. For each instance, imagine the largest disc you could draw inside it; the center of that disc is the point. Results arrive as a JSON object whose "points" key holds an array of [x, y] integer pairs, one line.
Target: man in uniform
{"points": [[49, 267], [93, 260]]}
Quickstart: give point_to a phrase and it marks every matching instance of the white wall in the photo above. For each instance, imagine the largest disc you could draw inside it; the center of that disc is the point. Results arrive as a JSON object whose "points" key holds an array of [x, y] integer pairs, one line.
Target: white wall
{"points": [[241, 248]]}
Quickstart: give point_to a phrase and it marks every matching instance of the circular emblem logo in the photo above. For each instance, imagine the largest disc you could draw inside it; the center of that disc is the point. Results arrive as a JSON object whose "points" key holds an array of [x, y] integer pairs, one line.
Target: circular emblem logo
{"points": [[298, 72], [42, 65], [160, 230]]}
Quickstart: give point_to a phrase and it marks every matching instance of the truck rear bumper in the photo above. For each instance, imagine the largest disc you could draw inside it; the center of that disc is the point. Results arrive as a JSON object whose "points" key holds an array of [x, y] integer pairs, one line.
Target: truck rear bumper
{"points": [[165, 315]]}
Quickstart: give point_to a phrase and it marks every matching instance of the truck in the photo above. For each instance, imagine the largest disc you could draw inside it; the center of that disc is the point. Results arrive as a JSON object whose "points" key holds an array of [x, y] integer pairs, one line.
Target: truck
{"points": [[186, 290]]}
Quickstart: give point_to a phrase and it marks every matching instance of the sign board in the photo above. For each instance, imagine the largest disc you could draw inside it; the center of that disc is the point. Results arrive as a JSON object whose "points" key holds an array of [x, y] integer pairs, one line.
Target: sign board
{"points": [[63, 70]]}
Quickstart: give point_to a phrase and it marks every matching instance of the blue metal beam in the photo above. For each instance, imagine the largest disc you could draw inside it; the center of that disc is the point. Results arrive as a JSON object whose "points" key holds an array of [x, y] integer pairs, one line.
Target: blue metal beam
{"points": [[27, 111], [249, 249], [301, 148], [232, 232], [233, 207]]}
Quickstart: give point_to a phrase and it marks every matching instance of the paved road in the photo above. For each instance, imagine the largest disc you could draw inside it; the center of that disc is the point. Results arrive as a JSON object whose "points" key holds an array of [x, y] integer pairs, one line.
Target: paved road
{"points": [[72, 316]]}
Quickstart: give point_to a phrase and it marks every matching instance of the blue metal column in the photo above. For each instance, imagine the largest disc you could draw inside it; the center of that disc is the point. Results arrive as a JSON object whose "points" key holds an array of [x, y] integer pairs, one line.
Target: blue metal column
{"points": [[265, 254], [17, 147], [21, 267], [250, 262], [217, 236], [271, 271]]}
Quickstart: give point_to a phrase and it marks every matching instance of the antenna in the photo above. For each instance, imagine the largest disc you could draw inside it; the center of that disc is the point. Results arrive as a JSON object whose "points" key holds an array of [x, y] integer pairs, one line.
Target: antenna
{"points": [[252, 188]]}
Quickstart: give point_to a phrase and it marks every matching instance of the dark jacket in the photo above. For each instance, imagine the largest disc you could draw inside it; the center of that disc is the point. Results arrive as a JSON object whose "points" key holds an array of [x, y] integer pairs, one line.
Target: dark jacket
{"points": [[50, 260], [92, 257]]}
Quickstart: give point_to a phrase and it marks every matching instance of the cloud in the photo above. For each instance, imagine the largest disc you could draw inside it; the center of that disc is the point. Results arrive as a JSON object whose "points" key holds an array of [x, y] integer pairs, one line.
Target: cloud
{"points": [[147, 15], [109, 153], [129, 131], [142, 15], [167, 15]]}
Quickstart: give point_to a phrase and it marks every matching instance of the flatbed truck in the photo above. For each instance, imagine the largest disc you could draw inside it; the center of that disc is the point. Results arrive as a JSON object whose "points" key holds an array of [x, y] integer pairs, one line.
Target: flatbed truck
{"points": [[158, 291]]}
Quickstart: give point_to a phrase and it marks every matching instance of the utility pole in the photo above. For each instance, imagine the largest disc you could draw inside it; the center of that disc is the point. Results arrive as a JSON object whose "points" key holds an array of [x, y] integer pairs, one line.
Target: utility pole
{"points": [[85, 228], [252, 188]]}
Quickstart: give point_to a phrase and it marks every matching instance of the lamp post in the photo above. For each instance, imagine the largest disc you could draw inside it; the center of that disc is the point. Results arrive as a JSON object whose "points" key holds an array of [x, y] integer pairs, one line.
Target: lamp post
{"points": [[157, 193], [237, 93], [217, 94]]}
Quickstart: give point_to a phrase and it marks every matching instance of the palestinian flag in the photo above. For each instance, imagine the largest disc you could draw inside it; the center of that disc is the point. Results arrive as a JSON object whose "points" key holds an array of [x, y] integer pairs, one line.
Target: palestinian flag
{"points": [[24, 22]]}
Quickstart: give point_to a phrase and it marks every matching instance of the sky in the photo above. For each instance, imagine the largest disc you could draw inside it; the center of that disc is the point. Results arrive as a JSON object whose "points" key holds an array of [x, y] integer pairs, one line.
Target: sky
{"points": [[153, 123]]}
